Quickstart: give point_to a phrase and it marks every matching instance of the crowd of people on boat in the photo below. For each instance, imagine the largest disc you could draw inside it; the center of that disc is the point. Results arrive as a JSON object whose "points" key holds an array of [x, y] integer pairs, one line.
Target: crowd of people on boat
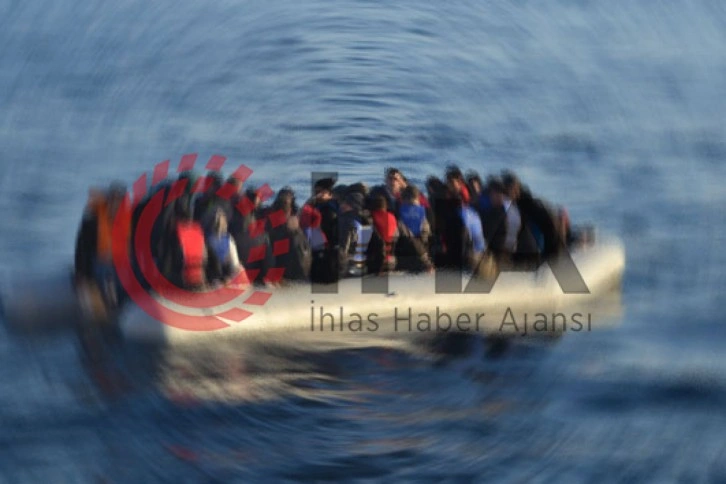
{"points": [[211, 228]]}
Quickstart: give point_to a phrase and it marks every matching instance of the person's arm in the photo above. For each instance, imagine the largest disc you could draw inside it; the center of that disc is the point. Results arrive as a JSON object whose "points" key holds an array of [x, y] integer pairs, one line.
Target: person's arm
{"points": [[347, 246], [425, 231], [234, 264], [423, 201]]}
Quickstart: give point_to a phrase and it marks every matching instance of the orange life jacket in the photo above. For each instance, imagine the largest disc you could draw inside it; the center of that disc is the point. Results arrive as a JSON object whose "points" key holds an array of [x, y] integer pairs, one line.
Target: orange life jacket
{"points": [[106, 247], [191, 239]]}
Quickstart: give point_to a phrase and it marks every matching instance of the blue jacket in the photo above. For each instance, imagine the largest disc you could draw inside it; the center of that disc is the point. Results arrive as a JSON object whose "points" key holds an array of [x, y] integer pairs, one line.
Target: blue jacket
{"points": [[472, 222], [219, 244], [413, 216]]}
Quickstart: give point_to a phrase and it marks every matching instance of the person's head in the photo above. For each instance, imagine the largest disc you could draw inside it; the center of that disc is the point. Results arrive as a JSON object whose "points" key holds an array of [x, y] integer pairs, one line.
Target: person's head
{"points": [[395, 181], [115, 196], [473, 181], [236, 183], [339, 191], [220, 222], [188, 178], [254, 196], [411, 195], [379, 202], [495, 190], [435, 187], [454, 179], [512, 185], [323, 189], [95, 196], [353, 201], [183, 208], [214, 181], [358, 187], [285, 200]]}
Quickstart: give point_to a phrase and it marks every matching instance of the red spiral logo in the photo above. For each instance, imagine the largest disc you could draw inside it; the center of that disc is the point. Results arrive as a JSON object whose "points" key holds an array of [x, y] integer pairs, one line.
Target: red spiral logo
{"points": [[175, 306]]}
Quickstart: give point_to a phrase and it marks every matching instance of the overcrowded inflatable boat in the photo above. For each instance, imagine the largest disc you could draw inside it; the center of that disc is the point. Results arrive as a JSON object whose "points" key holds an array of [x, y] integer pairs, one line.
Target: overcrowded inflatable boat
{"points": [[193, 261], [518, 303]]}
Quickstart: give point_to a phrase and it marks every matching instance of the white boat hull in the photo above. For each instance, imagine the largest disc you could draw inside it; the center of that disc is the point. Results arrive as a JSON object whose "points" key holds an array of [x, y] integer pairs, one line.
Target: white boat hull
{"points": [[413, 307]]}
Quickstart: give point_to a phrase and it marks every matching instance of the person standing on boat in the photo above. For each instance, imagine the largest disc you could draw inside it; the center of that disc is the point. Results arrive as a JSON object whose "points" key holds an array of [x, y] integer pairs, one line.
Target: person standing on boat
{"points": [[95, 243], [535, 229]]}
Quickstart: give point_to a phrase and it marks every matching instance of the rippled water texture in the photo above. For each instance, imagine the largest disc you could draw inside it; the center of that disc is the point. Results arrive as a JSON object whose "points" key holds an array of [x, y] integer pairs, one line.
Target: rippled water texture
{"points": [[615, 109]]}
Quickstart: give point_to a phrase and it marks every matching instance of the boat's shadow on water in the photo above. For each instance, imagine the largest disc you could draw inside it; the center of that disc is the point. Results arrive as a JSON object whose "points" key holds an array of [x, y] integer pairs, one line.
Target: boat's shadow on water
{"points": [[268, 409], [234, 372]]}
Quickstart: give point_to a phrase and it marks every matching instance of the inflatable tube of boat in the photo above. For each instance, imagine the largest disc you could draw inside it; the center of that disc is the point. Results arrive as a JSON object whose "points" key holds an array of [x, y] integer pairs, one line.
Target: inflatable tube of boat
{"points": [[39, 303], [412, 304]]}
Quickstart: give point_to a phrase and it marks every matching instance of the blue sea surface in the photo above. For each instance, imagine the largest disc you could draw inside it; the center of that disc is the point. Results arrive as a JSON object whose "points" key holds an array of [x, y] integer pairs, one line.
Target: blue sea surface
{"points": [[614, 109]]}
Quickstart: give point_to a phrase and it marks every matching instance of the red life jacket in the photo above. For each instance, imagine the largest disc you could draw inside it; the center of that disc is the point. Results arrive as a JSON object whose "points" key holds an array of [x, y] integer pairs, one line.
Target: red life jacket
{"points": [[310, 217], [465, 197], [191, 239], [310, 220], [384, 222]]}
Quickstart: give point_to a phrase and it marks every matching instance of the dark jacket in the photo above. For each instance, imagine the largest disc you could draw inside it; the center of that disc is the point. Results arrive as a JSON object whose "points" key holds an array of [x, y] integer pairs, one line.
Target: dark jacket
{"points": [[297, 260], [537, 212], [86, 246], [253, 245], [325, 267]]}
